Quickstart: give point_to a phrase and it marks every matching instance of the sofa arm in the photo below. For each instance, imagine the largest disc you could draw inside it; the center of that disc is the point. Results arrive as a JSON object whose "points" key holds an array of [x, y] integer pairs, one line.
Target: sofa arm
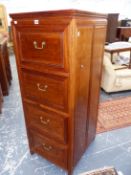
{"points": [[108, 78], [123, 73]]}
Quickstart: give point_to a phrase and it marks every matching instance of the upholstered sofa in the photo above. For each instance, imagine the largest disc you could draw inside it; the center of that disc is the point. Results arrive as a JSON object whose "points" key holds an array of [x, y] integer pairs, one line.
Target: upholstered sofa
{"points": [[115, 77]]}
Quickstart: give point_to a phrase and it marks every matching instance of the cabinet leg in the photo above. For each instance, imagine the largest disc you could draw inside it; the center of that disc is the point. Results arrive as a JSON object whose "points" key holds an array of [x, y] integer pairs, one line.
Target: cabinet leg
{"points": [[31, 152], [70, 172]]}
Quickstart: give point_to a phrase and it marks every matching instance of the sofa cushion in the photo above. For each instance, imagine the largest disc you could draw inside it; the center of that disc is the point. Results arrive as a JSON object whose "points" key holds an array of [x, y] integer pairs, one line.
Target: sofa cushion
{"points": [[123, 73]]}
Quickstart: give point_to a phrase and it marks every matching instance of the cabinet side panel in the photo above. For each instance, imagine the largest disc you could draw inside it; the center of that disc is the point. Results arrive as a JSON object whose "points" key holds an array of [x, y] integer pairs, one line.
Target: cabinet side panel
{"points": [[83, 58], [95, 80]]}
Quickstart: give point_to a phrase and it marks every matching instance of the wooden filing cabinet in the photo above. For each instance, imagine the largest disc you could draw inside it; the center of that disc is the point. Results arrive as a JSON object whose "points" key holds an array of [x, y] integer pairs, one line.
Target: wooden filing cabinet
{"points": [[59, 58]]}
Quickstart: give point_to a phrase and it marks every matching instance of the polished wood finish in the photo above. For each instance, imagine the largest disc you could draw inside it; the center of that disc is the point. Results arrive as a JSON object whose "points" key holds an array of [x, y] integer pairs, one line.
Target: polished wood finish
{"points": [[5, 70], [46, 121], [53, 44], [112, 24], [45, 88], [7, 64], [59, 78], [50, 149], [123, 33]]}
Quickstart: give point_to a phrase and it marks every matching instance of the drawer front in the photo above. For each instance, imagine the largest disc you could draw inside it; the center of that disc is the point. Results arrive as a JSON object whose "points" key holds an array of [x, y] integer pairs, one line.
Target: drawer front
{"points": [[51, 123], [49, 150], [46, 89], [43, 47]]}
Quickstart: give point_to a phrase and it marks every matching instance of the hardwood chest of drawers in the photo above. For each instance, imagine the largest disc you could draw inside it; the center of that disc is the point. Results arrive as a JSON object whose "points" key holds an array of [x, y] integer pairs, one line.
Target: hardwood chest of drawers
{"points": [[123, 33], [5, 69], [59, 57]]}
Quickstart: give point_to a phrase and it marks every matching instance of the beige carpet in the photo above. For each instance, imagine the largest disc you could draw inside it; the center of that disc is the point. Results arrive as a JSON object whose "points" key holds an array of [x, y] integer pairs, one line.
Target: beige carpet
{"points": [[114, 114]]}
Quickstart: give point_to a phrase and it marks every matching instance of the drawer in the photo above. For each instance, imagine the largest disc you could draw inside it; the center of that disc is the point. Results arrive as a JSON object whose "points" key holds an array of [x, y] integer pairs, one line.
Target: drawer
{"points": [[42, 47], [46, 89], [48, 149], [52, 124]]}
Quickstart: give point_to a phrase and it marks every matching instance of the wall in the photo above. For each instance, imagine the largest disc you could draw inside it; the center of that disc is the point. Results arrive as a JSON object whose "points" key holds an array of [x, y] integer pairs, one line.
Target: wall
{"points": [[107, 6]]}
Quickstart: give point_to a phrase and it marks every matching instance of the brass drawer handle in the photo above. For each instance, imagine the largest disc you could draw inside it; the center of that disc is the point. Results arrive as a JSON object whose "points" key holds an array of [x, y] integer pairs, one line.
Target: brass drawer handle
{"points": [[42, 87], [47, 148], [43, 44], [45, 122]]}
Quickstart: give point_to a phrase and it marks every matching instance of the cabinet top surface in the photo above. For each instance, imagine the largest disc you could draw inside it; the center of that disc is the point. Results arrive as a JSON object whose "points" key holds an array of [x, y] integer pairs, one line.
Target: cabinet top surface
{"points": [[54, 13]]}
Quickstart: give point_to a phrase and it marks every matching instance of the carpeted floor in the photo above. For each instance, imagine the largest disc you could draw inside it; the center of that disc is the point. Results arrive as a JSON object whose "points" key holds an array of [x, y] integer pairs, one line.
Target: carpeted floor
{"points": [[114, 114]]}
